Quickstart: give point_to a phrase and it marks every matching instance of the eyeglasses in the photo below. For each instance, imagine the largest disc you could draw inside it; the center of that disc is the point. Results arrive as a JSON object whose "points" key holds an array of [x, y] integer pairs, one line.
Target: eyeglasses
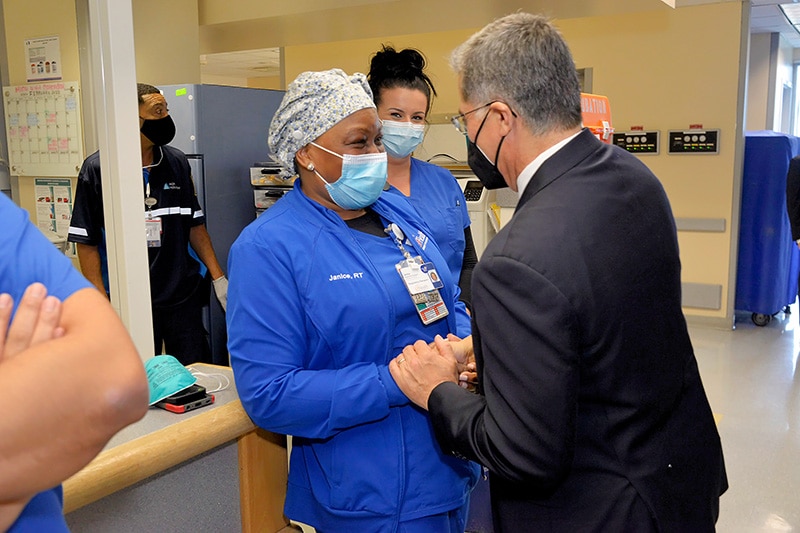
{"points": [[460, 120]]}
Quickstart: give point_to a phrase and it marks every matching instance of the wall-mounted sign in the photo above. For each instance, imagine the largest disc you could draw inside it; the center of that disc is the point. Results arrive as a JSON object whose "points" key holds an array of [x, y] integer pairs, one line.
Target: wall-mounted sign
{"points": [[54, 207], [693, 141], [596, 116], [43, 59], [637, 141]]}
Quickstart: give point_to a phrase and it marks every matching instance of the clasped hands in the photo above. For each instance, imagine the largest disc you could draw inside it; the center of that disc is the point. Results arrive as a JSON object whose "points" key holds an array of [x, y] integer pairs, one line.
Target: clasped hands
{"points": [[421, 367]]}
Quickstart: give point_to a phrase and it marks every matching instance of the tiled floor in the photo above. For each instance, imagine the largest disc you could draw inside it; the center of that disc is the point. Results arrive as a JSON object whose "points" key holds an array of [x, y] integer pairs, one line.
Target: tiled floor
{"points": [[752, 381], [751, 378]]}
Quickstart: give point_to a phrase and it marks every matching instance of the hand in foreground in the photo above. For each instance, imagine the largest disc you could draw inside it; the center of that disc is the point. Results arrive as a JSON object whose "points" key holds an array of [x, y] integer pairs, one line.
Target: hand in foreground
{"points": [[420, 368], [468, 379], [467, 369], [36, 320], [462, 349]]}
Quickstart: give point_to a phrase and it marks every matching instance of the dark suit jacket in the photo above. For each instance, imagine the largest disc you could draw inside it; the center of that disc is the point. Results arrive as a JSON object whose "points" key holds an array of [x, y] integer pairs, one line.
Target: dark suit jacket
{"points": [[793, 196], [592, 415]]}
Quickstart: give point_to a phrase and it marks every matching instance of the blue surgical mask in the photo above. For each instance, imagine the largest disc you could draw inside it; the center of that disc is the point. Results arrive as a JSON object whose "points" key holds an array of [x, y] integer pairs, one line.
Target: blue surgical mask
{"points": [[363, 178], [166, 376], [401, 138]]}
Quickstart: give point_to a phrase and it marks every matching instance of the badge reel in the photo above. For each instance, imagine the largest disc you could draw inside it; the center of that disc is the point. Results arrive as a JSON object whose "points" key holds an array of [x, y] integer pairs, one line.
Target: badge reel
{"points": [[421, 281], [152, 224]]}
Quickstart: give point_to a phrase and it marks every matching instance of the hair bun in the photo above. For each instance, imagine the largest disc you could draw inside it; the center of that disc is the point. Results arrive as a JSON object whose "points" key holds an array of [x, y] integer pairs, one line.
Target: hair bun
{"points": [[389, 69], [388, 63]]}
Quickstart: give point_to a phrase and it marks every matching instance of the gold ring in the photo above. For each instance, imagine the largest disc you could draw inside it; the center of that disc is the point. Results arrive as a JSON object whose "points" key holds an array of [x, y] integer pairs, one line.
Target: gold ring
{"points": [[400, 359]]}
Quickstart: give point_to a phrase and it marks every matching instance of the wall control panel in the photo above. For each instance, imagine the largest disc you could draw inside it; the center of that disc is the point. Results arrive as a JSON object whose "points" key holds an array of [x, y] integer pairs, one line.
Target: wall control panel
{"points": [[694, 142], [637, 142]]}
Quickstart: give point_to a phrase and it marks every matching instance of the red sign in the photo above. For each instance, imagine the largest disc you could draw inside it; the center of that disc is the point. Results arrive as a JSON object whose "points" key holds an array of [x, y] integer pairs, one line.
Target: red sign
{"points": [[596, 113]]}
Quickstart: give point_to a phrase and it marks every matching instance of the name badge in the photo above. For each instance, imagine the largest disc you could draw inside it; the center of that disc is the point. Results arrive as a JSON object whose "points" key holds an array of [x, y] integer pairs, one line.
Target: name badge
{"points": [[422, 289], [415, 279], [152, 228]]}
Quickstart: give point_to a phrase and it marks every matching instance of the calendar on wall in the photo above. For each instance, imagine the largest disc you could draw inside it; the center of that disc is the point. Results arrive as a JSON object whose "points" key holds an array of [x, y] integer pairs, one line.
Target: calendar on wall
{"points": [[43, 128]]}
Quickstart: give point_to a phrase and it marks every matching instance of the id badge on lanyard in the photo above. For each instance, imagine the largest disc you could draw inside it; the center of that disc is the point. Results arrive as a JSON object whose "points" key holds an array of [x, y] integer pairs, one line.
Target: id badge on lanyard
{"points": [[421, 281], [152, 225], [152, 228]]}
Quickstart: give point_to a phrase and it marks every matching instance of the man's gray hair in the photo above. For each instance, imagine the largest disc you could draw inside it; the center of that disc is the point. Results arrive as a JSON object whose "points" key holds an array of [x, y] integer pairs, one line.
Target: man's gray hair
{"points": [[522, 60]]}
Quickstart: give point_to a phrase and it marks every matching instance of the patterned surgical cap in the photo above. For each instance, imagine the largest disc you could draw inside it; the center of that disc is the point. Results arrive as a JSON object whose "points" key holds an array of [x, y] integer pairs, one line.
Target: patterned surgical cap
{"points": [[313, 104]]}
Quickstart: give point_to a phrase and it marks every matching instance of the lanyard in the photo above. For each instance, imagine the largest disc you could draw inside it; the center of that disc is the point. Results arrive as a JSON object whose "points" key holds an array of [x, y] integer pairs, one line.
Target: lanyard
{"points": [[394, 231], [150, 202], [420, 279], [146, 173]]}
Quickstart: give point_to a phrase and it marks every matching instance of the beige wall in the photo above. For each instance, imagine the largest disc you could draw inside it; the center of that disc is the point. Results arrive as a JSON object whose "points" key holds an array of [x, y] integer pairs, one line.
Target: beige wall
{"points": [[166, 38], [228, 25], [45, 18], [758, 82], [354, 56], [259, 82], [166, 35], [266, 82], [222, 11], [640, 62]]}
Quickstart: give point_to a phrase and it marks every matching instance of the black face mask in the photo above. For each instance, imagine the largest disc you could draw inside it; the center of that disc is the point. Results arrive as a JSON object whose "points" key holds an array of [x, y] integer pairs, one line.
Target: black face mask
{"points": [[485, 170], [160, 131]]}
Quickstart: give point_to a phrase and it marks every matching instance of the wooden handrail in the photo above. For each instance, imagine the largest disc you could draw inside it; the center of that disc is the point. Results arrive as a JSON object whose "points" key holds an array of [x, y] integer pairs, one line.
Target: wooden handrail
{"points": [[122, 466]]}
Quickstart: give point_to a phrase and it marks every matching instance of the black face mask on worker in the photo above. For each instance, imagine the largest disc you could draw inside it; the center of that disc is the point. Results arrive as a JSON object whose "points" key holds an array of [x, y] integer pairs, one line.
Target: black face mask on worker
{"points": [[484, 169], [160, 131]]}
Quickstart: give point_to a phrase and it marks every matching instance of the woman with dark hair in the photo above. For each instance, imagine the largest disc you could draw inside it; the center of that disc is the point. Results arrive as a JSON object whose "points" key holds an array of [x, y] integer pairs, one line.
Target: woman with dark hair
{"points": [[403, 94]]}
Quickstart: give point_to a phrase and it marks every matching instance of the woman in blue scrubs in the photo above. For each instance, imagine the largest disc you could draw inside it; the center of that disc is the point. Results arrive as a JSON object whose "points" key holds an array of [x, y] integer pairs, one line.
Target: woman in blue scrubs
{"points": [[403, 94], [326, 288]]}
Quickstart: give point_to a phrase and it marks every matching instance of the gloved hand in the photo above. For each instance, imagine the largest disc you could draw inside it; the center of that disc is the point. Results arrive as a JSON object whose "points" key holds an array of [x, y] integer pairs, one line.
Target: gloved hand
{"points": [[221, 290]]}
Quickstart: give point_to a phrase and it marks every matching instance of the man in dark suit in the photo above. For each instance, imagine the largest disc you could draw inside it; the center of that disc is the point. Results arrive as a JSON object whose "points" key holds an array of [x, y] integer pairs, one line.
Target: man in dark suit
{"points": [[793, 198], [591, 414]]}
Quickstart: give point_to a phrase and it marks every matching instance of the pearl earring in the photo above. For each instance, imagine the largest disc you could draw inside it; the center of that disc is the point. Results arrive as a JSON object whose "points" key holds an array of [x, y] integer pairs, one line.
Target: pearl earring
{"points": [[311, 167]]}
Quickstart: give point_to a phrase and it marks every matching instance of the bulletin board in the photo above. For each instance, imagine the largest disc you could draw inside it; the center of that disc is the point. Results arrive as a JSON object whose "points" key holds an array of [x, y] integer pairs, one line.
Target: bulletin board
{"points": [[43, 128]]}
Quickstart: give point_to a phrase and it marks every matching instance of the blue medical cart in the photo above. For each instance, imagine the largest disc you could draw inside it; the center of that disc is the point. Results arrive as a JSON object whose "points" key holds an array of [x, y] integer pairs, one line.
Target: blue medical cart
{"points": [[768, 259]]}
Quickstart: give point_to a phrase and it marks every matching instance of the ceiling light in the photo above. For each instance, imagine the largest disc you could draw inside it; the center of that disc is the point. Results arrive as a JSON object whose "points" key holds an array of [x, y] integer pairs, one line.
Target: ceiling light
{"points": [[791, 12]]}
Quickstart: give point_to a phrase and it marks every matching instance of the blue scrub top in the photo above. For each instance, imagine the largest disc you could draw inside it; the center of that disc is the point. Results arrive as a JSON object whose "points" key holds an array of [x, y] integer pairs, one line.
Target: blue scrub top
{"points": [[29, 257], [438, 199]]}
